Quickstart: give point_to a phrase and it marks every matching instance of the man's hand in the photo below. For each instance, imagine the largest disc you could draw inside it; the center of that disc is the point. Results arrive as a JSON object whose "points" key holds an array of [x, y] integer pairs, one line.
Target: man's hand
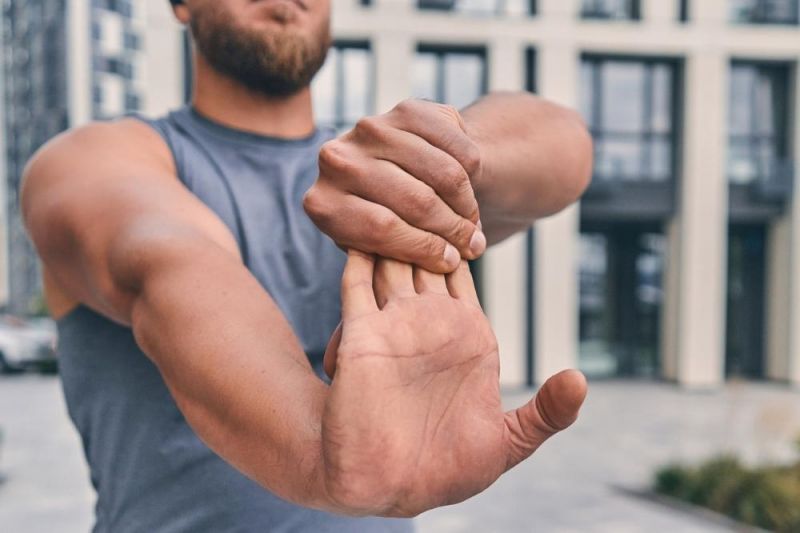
{"points": [[400, 185], [413, 419]]}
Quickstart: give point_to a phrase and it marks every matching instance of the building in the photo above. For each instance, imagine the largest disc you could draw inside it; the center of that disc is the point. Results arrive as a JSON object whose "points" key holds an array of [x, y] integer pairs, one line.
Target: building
{"points": [[682, 261], [66, 62]]}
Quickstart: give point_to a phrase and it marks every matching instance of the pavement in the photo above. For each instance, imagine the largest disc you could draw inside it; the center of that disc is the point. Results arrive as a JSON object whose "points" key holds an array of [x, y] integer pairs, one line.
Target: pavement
{"points": [[584, 480]]}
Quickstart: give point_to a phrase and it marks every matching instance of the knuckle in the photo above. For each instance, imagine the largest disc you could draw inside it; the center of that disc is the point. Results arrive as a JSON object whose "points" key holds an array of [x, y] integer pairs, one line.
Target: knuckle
{"points": [[371, 127], [315, 205], [383, 224], [424, 203], [461, 231], [451, 112], [471, 159], [454, 179], [331, 155], [406, 107], [431, 246]]}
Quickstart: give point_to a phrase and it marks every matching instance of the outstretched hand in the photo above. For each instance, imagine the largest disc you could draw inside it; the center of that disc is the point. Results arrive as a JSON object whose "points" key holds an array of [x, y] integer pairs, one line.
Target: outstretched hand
{"points": [[414, 420]]}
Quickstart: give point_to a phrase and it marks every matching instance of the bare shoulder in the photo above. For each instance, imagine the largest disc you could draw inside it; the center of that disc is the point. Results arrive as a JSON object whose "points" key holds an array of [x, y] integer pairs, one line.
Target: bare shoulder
{"points": [[96, 145]]}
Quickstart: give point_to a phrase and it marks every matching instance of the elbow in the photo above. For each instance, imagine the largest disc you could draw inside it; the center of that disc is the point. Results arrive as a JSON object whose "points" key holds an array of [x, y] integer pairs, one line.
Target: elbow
{"points": [[576, 159]]}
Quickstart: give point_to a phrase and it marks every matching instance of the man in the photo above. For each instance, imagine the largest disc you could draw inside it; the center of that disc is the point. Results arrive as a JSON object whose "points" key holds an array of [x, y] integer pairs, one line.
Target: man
{"points": [[191, 291]]}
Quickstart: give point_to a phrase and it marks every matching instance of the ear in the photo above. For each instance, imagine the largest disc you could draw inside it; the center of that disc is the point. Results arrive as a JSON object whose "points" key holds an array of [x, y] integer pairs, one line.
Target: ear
{"points": [[182, 13]]}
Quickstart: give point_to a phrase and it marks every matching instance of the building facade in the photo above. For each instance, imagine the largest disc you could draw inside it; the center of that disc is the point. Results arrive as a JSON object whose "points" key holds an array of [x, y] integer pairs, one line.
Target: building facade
{"points": [[64, 63], [682, 261]]}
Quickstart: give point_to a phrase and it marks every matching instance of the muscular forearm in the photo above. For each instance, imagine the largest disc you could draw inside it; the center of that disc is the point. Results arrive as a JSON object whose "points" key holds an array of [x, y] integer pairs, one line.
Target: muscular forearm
{"points": [[230, 360], [536, 159]]}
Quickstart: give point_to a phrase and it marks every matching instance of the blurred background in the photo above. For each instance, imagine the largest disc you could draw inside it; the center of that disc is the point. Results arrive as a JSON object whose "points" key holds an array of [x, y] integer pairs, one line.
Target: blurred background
{"points": [[674, 284]]}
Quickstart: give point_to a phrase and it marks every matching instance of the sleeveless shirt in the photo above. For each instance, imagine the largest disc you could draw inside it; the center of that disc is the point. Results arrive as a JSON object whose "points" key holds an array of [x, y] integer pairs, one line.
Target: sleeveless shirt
{"points": [[151, 472]]}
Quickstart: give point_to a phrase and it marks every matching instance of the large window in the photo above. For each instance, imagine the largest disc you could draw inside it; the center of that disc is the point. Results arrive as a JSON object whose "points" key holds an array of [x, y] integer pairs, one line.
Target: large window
{"points": [[455, 76], [758, 121], [766, 11], [343, 88], [481, 7], [630, 106], [611, 9]]}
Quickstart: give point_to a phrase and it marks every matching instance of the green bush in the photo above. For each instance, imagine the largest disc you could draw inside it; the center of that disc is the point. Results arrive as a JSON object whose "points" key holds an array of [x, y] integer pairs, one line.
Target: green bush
{"points": [[764, 497]]}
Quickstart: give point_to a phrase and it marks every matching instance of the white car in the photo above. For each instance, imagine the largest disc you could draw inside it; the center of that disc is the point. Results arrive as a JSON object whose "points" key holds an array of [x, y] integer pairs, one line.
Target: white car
{"points": [[26, 344]]}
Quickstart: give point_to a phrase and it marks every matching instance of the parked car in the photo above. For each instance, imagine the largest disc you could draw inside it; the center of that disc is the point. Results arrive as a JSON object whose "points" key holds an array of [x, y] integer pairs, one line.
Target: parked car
{"points": [[27, 344]]}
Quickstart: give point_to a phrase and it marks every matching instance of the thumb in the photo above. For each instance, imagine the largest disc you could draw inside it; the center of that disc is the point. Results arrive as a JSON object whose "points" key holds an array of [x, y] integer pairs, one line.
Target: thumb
{"points": [[554, 408], [331, 352]]}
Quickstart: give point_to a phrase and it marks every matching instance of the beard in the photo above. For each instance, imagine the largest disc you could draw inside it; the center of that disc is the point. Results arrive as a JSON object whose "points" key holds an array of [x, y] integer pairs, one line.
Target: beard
{"points": [[276, 64]]}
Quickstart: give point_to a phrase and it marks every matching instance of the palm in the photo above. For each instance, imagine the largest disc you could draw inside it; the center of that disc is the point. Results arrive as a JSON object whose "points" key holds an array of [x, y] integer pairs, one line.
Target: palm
{"points": [[414, 418]]}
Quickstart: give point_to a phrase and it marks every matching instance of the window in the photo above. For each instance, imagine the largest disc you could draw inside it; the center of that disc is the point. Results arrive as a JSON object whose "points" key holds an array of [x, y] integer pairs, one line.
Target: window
{"points": [[611, 9], [630, 106], [343, 88], [683, 11], [481, 7], [766, 11], [455, 76], [758, 117]]}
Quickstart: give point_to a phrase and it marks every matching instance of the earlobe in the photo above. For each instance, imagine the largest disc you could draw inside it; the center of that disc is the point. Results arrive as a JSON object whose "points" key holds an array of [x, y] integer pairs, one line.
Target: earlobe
{"points": [[182, 13]]}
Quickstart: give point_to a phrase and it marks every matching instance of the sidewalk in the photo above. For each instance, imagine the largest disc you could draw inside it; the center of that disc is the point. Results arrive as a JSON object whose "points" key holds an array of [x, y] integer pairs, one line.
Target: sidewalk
{"points": [[579, 481]]}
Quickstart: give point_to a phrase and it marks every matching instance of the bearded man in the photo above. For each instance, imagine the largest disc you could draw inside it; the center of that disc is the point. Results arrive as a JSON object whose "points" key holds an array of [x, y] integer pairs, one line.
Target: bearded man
{"points": [[195, 298]]}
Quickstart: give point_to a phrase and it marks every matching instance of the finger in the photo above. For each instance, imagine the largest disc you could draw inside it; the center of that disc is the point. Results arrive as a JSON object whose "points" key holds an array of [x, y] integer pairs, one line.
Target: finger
{"points": [[331, 352], [426, 281], [427, 163], [442, 126], [376, 229], [392, 280], [461, 285], [554, 408], [357, 296], [419, 205]]}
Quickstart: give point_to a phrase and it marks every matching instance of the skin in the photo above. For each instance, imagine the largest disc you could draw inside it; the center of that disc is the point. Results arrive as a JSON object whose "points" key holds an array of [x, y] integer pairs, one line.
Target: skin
{"points": [[412, 419]]}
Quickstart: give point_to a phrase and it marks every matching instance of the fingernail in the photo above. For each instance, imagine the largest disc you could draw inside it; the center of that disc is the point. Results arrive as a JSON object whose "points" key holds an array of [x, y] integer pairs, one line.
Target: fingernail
{"points": [[451, 256], [477, 244], [480, 225]]}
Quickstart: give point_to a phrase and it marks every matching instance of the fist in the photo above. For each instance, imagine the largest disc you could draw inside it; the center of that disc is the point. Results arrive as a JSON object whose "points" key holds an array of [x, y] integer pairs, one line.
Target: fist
{"points": [[399, 185]]}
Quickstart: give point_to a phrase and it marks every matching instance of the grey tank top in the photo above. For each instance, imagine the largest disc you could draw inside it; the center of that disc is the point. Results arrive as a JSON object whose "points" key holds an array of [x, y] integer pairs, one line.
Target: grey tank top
{"points": [[151, 472]]}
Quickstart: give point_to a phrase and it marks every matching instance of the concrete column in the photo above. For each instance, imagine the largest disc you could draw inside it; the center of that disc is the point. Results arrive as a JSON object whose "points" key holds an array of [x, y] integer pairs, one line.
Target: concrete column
{"points": [[559, 8], [393, 71], [778, 298], [504, 265], [4, 251], [79, 62], [708, 12], [163, 59], [670, 309], [793, 314], [660, 12], [556, 258], [700, 249]]}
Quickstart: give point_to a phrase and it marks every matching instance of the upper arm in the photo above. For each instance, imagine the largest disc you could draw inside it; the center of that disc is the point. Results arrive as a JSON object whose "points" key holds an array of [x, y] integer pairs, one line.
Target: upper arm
{"points": [[98, 201]]}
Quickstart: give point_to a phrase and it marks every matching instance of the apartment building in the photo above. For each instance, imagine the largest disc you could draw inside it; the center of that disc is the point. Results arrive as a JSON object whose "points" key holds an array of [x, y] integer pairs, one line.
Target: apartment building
{"points": [[682, 261], [63, 63]]}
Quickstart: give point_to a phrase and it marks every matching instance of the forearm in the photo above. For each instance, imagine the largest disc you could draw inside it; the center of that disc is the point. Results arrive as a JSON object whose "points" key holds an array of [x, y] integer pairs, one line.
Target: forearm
{"points": [[232, 363], [536, 159]]}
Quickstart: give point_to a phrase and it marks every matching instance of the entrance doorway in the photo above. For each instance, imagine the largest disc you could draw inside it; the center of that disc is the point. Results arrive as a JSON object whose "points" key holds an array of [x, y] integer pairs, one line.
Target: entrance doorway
{"points": [[744, 354], [621, 295]]}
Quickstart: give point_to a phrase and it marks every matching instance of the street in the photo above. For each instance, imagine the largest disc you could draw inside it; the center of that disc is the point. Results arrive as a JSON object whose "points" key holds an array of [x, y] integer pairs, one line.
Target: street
{"points": [[580, 481]]}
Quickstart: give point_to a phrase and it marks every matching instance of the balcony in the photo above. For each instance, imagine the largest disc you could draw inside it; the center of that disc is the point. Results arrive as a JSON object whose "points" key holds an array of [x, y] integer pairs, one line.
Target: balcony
{"points": [[763, 195], [624, 200], [766, 11]]}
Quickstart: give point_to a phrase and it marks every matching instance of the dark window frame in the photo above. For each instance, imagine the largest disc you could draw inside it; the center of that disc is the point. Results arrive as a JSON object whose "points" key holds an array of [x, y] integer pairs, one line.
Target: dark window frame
{"points": [[442, 50], [647, 135], [783, 118], [600, 12], [340, 121], [761, 14]]}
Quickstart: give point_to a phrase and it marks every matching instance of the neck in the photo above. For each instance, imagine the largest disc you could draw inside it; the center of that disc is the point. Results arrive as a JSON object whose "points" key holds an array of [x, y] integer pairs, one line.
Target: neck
{"points": [[230, 103]]}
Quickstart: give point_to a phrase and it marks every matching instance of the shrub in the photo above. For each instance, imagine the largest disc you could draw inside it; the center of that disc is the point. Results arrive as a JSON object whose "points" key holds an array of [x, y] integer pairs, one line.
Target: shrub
{"points": [[764, 497]]}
